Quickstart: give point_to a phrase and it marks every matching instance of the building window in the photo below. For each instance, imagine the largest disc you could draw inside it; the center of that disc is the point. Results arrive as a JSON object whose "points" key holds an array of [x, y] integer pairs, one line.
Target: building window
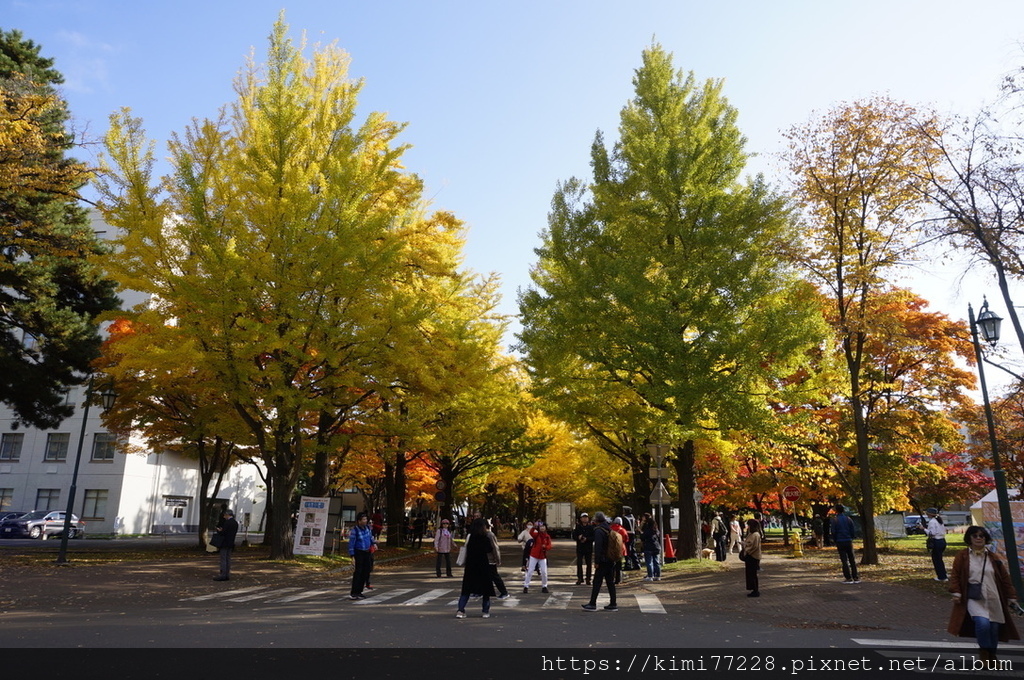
{"points": [[47, 499], [10, 446], [95, 504], [177, 504], [57, 446], [178, 512], [6, 498], [103, 444]]}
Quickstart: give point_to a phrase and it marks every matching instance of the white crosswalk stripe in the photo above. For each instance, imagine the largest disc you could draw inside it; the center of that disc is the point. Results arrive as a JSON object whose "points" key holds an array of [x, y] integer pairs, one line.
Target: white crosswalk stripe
{"points": [[385, 596], [558, 600], [303, 596], [226, 593], [648, 603], [260, 596], [426, 597]]}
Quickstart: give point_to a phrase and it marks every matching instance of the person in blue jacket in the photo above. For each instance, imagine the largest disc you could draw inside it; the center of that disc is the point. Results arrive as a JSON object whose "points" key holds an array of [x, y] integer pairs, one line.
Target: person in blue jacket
{"points": [[843, 533], [360, 543]]}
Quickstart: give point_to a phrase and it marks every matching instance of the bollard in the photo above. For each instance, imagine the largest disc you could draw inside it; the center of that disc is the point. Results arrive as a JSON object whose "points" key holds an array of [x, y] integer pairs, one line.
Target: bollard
{"points": [[798, 547]]}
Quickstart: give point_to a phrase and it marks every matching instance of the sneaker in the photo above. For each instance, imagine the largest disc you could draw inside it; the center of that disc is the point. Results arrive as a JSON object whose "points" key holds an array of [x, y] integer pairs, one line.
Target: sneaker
{"points": [[648, 578], [579, 583], [460, 615], [504, 597], [849, 581], [544, 589], [856, 580], [354, 597], [941, 579], [589, 607], [485, 615], [526, 590], [611, 608], [657, 578], [368, 588]]}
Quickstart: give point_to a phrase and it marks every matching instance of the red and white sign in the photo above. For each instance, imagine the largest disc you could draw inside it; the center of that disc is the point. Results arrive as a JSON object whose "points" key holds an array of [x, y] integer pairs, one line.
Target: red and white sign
{"points": [[791, 493]]}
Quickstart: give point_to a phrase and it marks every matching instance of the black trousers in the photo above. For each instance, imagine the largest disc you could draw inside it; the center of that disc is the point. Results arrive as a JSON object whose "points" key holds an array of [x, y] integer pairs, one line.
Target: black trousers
{"points": [[848, 558], [447, 563], [751, 566], [584, 554], [361, 575], [605, 572]]}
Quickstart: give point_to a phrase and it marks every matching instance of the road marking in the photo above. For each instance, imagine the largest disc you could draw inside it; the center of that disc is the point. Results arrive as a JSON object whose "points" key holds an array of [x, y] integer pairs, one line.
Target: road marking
{"points": [[426, 597], [870, 642], [559, 600], [226, 593], [649, 603], [383, 597], [302, 596], [260, 596]]}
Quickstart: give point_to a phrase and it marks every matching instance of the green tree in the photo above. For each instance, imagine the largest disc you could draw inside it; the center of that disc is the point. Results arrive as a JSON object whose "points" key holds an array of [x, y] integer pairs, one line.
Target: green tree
{"points": [[280, 246], [51, 289], [858, 175], [665, 273]]}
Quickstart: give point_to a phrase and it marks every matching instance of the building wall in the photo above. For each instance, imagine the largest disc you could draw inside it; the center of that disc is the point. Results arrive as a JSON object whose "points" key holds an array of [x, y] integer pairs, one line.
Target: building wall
{"points": [[142, 492]]}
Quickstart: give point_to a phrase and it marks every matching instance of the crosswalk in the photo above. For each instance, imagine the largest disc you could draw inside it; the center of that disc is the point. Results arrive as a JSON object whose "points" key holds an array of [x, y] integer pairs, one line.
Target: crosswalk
{"points": [[646, 603]]}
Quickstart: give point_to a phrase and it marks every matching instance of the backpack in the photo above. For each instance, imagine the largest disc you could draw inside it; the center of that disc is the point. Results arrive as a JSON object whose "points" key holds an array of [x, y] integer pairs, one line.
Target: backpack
{"points": [[613, 551]]}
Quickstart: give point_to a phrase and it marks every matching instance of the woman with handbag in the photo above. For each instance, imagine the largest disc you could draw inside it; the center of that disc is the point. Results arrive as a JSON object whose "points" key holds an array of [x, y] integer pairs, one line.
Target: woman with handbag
{"points": [[476, 576], [982, 595], [751, 556]]}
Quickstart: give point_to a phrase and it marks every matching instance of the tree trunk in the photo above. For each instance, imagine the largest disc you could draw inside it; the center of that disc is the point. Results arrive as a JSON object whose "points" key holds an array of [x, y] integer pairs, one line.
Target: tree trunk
{"points": [[688, 538]]}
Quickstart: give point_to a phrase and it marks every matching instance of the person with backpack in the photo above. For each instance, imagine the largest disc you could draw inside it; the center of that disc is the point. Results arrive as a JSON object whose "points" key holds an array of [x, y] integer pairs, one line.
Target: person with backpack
{"points": [[843, 532], [719, 533], [605, 541]]}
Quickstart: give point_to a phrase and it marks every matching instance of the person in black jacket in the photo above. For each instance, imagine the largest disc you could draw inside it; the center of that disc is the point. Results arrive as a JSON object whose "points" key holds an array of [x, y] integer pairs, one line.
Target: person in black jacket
{"points": [[583, 535], [224, 536], [605, 567]]}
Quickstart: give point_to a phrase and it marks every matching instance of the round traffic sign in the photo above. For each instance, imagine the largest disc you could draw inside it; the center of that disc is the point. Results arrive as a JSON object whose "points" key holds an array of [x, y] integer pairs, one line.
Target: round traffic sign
{"points": [[791, 493]]}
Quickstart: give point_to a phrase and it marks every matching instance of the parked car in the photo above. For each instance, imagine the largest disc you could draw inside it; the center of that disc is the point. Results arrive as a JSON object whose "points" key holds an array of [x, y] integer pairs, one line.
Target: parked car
{"points": [[40, 524], [9, 514], [913, 525]]}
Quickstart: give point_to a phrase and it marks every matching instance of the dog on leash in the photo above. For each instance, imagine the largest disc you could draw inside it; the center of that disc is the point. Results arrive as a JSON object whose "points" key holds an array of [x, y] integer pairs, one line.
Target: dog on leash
{"points": [[707, 554]]}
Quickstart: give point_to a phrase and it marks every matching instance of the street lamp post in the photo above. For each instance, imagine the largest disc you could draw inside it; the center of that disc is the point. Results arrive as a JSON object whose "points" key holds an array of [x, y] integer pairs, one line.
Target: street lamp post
{"points": [[108, 396], [988, 323], [657, 452]]}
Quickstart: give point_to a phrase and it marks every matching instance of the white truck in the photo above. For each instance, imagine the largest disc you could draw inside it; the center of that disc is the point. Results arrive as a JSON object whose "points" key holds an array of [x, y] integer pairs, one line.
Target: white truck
{"points": [[560, 518]]}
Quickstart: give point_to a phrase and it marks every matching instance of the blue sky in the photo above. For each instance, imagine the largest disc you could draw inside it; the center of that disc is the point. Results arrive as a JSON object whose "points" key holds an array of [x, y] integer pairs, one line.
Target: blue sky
{"points": [[502, 99]]}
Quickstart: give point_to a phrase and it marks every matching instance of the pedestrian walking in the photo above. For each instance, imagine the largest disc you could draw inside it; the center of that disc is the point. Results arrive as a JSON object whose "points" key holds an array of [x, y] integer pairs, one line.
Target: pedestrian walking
{"points": [[443, 542], [651, 538], [494, 560], [843, 533], [719, 533], [982, 595], [818, 528], [935, 531], [752, 557], [224, 540], [621, 531], [604, 564], [476, 575], [629, 523], [583, 536], [538, 557], [735, 534], [360, 542], [525, 539]]}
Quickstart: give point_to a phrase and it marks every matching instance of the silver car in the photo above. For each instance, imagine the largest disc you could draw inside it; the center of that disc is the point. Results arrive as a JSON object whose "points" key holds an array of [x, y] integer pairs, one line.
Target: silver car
{"points": [[41, 524]]}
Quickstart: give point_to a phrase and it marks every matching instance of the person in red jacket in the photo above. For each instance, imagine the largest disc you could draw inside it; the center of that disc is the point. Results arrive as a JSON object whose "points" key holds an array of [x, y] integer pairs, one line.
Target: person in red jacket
{"points": [[538, 557], [621, 530]]}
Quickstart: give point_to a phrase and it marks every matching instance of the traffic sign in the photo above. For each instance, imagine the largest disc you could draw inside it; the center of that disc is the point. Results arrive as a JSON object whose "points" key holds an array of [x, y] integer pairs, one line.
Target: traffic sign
{"points": [[439, 496], [791, 493], [660, 494]]}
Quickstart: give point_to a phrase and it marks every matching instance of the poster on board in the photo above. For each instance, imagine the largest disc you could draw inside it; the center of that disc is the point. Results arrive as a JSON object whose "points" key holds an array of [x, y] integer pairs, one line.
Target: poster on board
{"points": [[311, 526]]}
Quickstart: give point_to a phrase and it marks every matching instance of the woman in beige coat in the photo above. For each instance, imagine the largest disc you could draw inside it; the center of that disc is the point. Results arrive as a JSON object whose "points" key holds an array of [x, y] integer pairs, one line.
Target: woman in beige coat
{"points": [[987, 619], [752, 556]]}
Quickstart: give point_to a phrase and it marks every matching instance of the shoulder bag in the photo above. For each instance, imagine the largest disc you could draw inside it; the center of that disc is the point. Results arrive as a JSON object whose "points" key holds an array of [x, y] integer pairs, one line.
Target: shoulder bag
{"points": [[974, 589], [461, 559]]}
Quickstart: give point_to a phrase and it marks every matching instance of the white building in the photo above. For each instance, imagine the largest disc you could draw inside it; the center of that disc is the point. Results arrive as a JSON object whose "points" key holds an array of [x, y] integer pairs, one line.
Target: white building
{"points": [[154, 492]]}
